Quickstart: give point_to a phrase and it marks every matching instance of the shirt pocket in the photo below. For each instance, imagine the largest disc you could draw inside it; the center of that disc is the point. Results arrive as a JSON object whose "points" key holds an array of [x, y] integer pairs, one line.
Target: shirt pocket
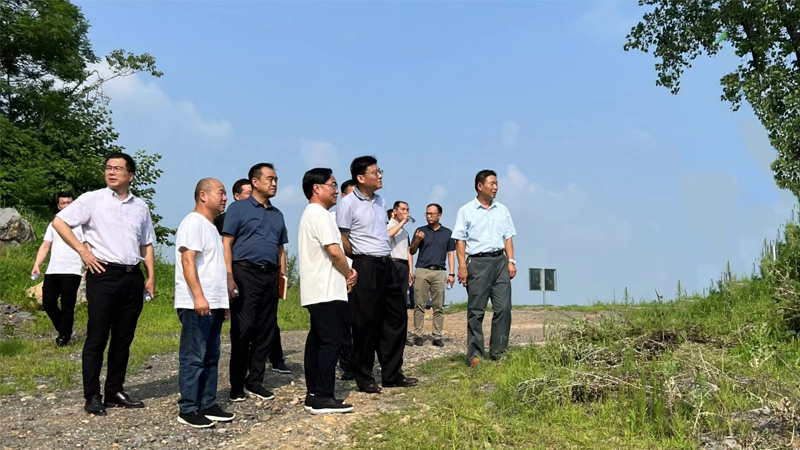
{"points": [[135, 222]]}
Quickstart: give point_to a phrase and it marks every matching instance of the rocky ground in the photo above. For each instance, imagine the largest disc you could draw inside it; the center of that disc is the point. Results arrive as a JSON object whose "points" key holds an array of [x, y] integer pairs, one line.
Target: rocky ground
{"points": [[57, 420]]}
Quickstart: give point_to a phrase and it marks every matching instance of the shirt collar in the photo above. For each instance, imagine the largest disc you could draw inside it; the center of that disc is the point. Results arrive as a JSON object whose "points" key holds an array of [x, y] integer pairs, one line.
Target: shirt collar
{"points": [[477, 205], [361, 196], [255, 203], [130, 196]]}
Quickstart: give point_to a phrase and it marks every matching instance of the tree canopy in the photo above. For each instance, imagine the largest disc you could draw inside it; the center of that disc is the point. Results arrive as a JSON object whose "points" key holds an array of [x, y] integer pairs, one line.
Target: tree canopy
{"points": [[55, 125], [764, 34]]}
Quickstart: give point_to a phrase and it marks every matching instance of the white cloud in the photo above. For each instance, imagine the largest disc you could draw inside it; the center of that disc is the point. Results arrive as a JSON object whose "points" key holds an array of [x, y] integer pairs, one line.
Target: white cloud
{"points": [[510, 133], [438, 194], [290, 195], [158, 112], [319, 153], [515, 183]]}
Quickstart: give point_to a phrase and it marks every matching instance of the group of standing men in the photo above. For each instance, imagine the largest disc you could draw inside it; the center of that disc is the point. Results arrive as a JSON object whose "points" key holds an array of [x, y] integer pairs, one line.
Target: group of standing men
{"points": [[353, 281]]}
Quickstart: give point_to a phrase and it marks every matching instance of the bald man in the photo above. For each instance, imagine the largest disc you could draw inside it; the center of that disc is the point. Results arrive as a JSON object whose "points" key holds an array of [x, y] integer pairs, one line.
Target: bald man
{"points": [[201, 299]]}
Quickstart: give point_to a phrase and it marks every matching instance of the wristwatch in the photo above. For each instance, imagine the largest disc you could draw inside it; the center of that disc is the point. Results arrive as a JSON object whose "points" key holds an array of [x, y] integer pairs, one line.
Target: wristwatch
{"points": [[451, 274], [512, 261]]}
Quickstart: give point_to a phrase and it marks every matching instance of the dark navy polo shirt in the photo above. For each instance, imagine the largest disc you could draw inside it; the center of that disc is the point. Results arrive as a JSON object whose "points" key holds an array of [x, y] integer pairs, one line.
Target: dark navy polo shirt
{"points": [[434, 247], [257, 231]]}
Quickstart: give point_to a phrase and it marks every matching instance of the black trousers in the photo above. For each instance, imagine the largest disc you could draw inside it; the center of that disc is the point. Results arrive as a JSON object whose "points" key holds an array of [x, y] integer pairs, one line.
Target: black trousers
{"points": [[346, 349], [378, 312], [65, 286], [254, 315], [322, 347], [275, 347], [115, 303], [401, 266]]}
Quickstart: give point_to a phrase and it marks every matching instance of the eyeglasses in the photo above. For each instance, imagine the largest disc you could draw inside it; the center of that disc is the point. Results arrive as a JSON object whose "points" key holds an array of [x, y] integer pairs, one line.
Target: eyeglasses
{"points": [[431, 214], [377, 173], [115, 169], [334, 185]]}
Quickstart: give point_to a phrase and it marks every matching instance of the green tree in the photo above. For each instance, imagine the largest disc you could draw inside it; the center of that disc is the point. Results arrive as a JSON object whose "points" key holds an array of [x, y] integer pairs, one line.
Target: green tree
{"points": [[55, 126], [764, 34]]}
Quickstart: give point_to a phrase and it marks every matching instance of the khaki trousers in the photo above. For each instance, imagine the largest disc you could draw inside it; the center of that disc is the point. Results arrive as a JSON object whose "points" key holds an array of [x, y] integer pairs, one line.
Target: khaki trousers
{"points": [[429, 283]]}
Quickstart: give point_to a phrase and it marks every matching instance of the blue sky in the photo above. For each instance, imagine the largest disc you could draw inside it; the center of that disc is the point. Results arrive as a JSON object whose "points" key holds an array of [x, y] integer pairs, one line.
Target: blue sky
{"points": [[611, 180]]}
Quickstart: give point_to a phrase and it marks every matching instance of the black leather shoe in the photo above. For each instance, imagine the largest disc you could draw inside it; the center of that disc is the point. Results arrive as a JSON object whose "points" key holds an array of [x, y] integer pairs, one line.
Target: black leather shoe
{"points": [[122, 400], [94, 405], [371, 388], [402, 382]]}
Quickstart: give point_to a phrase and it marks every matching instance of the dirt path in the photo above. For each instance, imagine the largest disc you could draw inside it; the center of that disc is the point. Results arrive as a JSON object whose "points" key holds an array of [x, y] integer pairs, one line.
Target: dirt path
{"points": [[57, 420]]}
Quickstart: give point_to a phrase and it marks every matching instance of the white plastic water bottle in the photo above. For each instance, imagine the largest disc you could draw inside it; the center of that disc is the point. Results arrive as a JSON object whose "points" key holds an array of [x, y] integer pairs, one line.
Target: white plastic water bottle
{"points": [[147, 296], [35, 276]]}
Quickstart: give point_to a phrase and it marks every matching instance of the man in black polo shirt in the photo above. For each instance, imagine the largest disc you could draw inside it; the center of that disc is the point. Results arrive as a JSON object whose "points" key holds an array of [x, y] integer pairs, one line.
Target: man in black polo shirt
{"points": [[254, 234], [434, 243]]}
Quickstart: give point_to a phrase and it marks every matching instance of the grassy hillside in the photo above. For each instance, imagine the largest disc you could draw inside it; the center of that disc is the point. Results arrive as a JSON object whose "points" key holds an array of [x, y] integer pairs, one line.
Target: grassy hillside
{"points": [[682, 374], [28, 354]]}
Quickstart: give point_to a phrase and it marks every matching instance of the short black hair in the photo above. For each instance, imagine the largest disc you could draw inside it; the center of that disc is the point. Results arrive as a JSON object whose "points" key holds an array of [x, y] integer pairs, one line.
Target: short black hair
{"points": [[237, 187], [347, 184], [255, 171], [398, 203], [318, 175], [389, 213], [360, 164], [64, 194], [438, 207], [130, 164], [482, 176]]}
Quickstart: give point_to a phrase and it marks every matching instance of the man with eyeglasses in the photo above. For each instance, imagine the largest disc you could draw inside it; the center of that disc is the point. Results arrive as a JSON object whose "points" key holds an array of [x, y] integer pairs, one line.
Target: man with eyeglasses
{"points": [[435, 244], [484, 235], [377, 309], [119, 236], [399, 242], [254, 235], [325, 278]]}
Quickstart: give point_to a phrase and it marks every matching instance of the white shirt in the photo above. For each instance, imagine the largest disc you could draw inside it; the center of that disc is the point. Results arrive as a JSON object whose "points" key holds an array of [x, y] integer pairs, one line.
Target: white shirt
{"points": [[200, 235], [320, 281], [114, 229], [399, 242], [484, 230], [63, 259]]}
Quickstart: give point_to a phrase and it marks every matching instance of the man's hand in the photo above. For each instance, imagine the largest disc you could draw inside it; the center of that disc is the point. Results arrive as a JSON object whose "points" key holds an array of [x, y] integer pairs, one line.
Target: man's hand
{"points": [[150, 286], [233, 290], [512, 270], [352, 280], [227, 315], [201, 306], [93, 264], [35, 272], [410, 279], [419, 236], [451, 280], [462, 275]]}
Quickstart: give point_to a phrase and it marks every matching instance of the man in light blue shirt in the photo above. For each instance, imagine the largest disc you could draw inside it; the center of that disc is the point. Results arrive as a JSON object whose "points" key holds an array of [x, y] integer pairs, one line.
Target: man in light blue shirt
{"points": [[484, 235]]}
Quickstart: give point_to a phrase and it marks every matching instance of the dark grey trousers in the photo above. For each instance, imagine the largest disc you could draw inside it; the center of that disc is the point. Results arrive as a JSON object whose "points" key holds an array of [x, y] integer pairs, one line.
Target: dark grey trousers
{"points": [[487, 277]]}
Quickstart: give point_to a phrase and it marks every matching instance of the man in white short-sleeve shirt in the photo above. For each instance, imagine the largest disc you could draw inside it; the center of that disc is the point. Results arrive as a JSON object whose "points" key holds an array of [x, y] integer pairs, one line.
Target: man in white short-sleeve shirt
{"points": [[324, 281], [201, 299], [62, 278], [119, 236]]}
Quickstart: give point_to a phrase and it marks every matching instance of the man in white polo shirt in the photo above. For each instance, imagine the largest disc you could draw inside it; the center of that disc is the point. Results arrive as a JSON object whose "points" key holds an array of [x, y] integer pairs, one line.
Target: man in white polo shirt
{"points": [[201, 299], [62, 278], [324, 281], [119, 236]]}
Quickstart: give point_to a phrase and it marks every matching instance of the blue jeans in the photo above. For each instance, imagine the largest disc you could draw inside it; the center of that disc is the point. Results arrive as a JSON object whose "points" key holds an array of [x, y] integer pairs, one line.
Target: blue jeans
{"points": [[198, 359]]}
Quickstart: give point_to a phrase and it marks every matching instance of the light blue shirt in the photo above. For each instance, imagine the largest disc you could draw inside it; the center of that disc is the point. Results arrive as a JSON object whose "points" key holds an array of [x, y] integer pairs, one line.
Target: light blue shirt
{"points": [[366, 221], [484, 230]]}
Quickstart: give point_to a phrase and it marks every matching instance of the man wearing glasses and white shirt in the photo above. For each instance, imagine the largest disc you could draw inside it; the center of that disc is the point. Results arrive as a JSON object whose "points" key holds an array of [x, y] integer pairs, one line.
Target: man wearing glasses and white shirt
{"points": [[119, 235]]}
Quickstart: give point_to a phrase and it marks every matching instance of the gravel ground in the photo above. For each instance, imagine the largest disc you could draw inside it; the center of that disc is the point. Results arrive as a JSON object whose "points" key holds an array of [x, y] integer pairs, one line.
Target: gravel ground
{"points": [[57, 420]]}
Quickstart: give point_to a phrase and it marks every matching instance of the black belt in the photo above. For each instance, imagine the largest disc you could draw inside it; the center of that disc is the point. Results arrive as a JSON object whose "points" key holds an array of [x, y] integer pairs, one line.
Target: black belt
{"points": [[487, 254], [435, 267], [268, 267], [121, 267], [382, 259], [401, 261]]}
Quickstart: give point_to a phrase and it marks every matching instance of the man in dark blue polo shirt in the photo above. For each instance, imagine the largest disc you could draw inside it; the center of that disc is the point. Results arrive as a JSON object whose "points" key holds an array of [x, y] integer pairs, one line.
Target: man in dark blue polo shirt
{"points": [[254, 234], [377, 306], [435, 244]]}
